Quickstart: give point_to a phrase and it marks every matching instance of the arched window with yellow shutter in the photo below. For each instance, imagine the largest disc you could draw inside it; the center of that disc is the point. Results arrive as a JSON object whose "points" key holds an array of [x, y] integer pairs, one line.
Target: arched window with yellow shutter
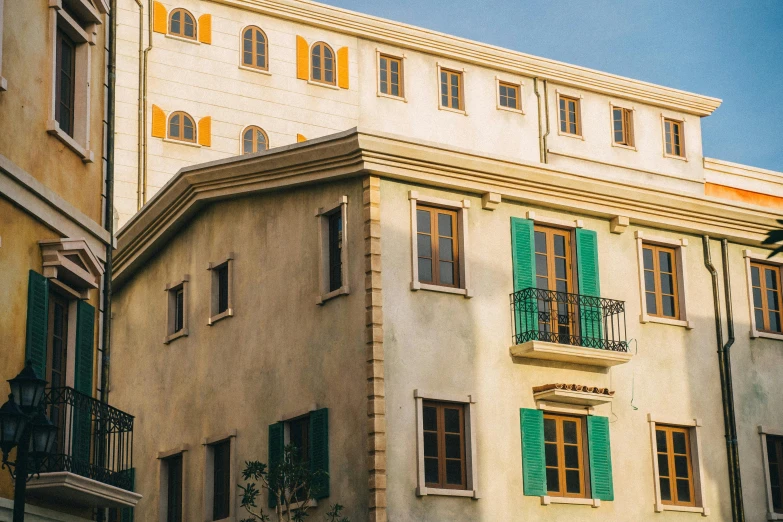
{"points": [[322, 64], [182, 127], [255, 48], [182, 24], [254, 139]]}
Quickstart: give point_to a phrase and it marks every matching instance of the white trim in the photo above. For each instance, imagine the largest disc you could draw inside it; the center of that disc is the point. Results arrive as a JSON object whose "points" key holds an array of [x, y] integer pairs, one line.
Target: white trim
{"points": [[180, 142], [763, 432], [516, 83], [545, 220], [755, 332], [464, 102], [323, 213], [547, 500], [682, 279], [324, 84], [681, 121], [61, 484], [229, 312], [182, 38], [403, 62], [471, 462], [462, 228], [36, 514], [53, 128], [253, 69], [561, 407]]}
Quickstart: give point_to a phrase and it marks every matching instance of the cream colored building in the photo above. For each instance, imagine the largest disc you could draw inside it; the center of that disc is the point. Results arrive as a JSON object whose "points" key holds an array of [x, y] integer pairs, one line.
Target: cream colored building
{"points": [[439, 228]]}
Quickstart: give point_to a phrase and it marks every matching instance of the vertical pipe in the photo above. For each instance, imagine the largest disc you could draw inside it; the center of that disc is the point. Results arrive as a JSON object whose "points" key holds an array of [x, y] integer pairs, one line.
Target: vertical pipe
{"points": [[546, 116], [540, 130], [140, 125], [144, 100]]}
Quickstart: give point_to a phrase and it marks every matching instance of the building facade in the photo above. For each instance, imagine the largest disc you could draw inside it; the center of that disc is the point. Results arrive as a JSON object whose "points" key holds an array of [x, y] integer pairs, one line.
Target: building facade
{"points": [[53, 249]]}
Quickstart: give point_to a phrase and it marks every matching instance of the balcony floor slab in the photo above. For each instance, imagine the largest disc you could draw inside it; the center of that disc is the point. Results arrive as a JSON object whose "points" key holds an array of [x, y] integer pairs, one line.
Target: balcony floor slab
{"points": [[80, 491], [568, 353]]}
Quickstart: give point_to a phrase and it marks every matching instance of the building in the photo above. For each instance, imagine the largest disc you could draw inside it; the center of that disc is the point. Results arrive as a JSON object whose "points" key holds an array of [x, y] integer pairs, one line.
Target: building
{"points": [[54, 240], [480, 273]]}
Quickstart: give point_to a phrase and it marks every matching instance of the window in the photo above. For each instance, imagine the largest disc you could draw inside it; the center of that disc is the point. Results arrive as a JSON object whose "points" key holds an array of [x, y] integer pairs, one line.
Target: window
{"points": [[173, 488], [554, 272], [335, 251], [322, 64], [564, 453], [222, 290], [221, 480], [177, 310], [570, 120], [66, 82], [509, 96], [182, 127], [254, 49], [390, 76], [765, 284], [57, 352], [221, 299], [451, 90], [675, 468], [622, 126], [182, 23], [772, 448], [660, 281], [254, 139], [334, 257], [673, 138], [299, 436]]}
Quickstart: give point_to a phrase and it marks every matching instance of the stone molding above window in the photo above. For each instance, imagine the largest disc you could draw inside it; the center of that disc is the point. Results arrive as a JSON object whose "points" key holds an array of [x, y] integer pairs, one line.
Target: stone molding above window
{"points": [[72, 262], [682, 281], [761, 258], [323, 214]]}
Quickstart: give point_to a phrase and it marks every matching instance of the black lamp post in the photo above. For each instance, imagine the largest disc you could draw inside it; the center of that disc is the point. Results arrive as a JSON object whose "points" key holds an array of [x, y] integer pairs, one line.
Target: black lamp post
{"points": [[24, 426]]}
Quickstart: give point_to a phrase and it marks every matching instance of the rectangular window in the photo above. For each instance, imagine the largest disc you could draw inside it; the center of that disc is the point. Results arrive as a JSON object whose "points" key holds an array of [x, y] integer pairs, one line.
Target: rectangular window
{"points": [[221, 296], [299, 436], [673, 137], [390, 76], [775, 469], [564, 456], [569, 116], [622, 126], [554, 272], [179, 309], [222, 290], [660, 281], [508, 95], [335, 251], [174, 488], [675, 468], [444, 445], [221, 480], [438, 250], [451, 89], [765, 280], [66, 82], [333, 258]]}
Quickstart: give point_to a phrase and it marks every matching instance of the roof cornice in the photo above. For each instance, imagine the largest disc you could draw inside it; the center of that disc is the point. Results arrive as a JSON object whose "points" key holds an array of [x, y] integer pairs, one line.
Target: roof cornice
{"points": [[356, 153], [469, 51]]}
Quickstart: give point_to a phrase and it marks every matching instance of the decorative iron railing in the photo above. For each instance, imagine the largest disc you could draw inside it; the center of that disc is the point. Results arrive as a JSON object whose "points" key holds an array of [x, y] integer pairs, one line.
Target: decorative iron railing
{"points": [[94, 440], [564, 318]]}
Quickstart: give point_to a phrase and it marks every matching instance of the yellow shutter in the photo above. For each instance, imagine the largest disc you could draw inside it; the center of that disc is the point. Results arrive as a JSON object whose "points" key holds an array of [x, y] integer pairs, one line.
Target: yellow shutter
{"points": [[158, 122], [300, 138], [302, 59], [205, 131], [160, 20], [342, 67], [205, 28]]}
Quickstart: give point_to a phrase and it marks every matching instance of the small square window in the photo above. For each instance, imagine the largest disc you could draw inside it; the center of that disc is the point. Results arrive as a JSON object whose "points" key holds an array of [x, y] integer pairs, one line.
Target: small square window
{"points": [[570, 119], [674, 141], [390, 76], [177, 310], [452, 89], [509, 96], [334, 257], [622, 126], [221, 299]]}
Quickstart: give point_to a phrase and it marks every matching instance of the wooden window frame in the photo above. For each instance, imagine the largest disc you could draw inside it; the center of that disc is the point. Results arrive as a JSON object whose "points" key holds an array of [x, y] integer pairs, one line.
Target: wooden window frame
{"points": [[680, 123], [628, 114], [571, 265], [752, 258], [435, 236], [180, 137], [697, 465], [254, 54], [67, 124], [322, 69], [182, 34], [657, 276], [401, 81], [766, 432], [461, 73], [209, 444], [516, 85], [215, 315], [577, 115], [470, 467], [323, 214], [255, 128], [440, 433], [461, 208], [670, 456], [163, 481], [679, 246], [765, 327], [584, 469], [171, 294]]}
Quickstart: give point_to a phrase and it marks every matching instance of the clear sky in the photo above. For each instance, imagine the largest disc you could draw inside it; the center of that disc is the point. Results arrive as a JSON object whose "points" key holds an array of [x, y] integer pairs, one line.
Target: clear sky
{"points": [[729, 49]]}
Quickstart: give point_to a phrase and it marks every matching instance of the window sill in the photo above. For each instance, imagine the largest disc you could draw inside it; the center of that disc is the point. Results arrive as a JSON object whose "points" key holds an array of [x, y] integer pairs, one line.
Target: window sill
{"points": [[53, 128], [774, 516], [218, 317], [255, 70], [322, 84], [391, 96], [180, 142], [343, 290], [444, 289], [182, 39], [3, 84], [176, 335], [672, 156], [468, 493], [671, 322], [449, 109], [569, 135], [593, 502], [622, 146], [755, 334], [509, 109], [659, 508], [296, 505]]}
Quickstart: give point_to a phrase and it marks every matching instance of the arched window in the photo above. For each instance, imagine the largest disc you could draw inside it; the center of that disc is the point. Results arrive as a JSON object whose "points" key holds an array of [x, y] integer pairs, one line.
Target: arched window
{"points": [[254, 48], [254, 139], [182, 23], [182, 127], [322, 60]]}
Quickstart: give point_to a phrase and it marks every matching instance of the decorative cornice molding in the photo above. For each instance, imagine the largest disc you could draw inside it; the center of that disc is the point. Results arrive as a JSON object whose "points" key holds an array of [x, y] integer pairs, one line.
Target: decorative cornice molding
{"points": [[468, 51]]}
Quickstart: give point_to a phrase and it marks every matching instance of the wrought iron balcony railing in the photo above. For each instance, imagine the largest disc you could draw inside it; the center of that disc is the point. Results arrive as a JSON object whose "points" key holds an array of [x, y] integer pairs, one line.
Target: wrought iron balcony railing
{"points": [[94, 440], [564, 318]]}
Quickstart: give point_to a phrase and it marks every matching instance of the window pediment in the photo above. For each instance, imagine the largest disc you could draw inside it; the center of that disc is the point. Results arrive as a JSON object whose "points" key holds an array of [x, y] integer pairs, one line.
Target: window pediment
{"points": [[72, 262]]}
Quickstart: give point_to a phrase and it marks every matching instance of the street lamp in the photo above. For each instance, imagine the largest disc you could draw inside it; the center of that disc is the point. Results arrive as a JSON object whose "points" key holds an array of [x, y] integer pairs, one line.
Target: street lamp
{"points": [[24, 426]]}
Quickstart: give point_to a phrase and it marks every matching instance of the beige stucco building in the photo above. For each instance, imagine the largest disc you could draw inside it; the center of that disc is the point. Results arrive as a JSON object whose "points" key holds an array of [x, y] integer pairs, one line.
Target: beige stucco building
{"points": [[53, 249]]}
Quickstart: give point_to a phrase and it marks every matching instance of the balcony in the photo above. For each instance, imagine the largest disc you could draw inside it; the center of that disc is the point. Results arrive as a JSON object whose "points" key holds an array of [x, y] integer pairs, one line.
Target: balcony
{"points": [[564, 327], [91, 463]]}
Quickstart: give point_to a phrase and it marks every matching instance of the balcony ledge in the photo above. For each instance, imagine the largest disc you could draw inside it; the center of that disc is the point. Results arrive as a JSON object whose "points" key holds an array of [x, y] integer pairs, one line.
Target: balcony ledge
{"points": [[567, 353], [80, 491], [577, 398]]}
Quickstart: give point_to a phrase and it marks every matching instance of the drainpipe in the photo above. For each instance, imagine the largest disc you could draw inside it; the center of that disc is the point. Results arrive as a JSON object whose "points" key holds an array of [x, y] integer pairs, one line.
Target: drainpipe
{"points": [[724, 364], [546, 115], [140, 160], [144, 96], [540, 130]]}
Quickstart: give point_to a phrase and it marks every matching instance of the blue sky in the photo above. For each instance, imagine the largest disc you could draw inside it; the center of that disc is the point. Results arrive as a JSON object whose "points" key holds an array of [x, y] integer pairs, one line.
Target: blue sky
{"points": [[728, 49]]}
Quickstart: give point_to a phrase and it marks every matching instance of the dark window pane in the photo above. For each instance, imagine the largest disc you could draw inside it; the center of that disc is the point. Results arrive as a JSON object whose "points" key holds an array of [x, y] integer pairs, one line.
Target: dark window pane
{"points": [[335, 251], [678, 441], [665, 261], [446, 249], [663, 465], [667, 302], [299, 436], [541, 267], [774, 321], [569, 432], [453, 450], [754, 275], [772, 300], [777, 499], [666, 492], [647, 254], [652, 307], [552, 480], [444, 225], [559, 245], [759, 314], [431, 471], [451, 420], [423, 221], [446, 272], [222, 282], [550, 451], [221, 480], [425, 270], [667, 284], [757, 297], [683, 491], [573, 484], [430, 444], [174, 489], [550, 430], [430, 418], [540, 238], [571, 457], [660, 440], [681, 466], [453, 472], [649, 281], [179, 310], [424, 244], [560, 268]]}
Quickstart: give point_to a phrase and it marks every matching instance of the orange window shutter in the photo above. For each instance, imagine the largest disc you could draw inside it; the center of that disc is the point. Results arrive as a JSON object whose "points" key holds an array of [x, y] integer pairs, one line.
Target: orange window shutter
{"points": [[205, 28], [159, 18], [205, 131], [302, 59], [158, 122], [300, 138], [342, 67]]}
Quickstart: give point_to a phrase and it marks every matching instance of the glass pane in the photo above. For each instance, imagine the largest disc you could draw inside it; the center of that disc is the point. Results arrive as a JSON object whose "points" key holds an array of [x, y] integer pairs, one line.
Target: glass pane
{"points": [[754, 274], [678, 441], [757, 297], [772, 300], [667, 284], [444, 225], [423, 221], [552, 480], [540, 239], [663, 465], [541, 268], [425, 270], [569, 432], [774, 321], [430, 415], [445, 249], [395, 89], [550, 430], [667, 302], [560, 269], [649, 280], [188, 128], [683, 490], [561, 286], [431, 471], [665, 261], [573, 484], [453, 472], [453, 450], [571, 457], [652, 307], [175, 22], [777, 499], [666, 492], [424, 244], [647, 254], [759, 313], [430, 444], [446, 272], [451, 420], [681, 466], [660, 440], [559, 245], [550, 451], [774, 476]]}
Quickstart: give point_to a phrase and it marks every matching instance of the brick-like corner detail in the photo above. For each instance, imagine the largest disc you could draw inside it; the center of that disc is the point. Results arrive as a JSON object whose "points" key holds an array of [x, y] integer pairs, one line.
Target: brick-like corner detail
{"points": [[373, 304]]}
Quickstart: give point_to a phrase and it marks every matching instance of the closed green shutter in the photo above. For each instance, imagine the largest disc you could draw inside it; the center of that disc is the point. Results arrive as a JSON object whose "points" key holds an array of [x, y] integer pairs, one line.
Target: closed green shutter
{"points": [[85, 330], [276, 452], [600, 458], [590, 314], [37, 322], [531, 425], [126, 514], [319, 452], [523, 257]]}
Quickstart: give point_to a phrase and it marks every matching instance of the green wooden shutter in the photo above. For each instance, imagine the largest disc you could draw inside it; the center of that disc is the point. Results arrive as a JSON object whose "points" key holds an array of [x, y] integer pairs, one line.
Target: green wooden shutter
{"points": [[523, 256], [319, 452], [37, 321], [590, 316], [531, 425], [600, 457], [276, 452], [126, 514], [82, 423]]}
